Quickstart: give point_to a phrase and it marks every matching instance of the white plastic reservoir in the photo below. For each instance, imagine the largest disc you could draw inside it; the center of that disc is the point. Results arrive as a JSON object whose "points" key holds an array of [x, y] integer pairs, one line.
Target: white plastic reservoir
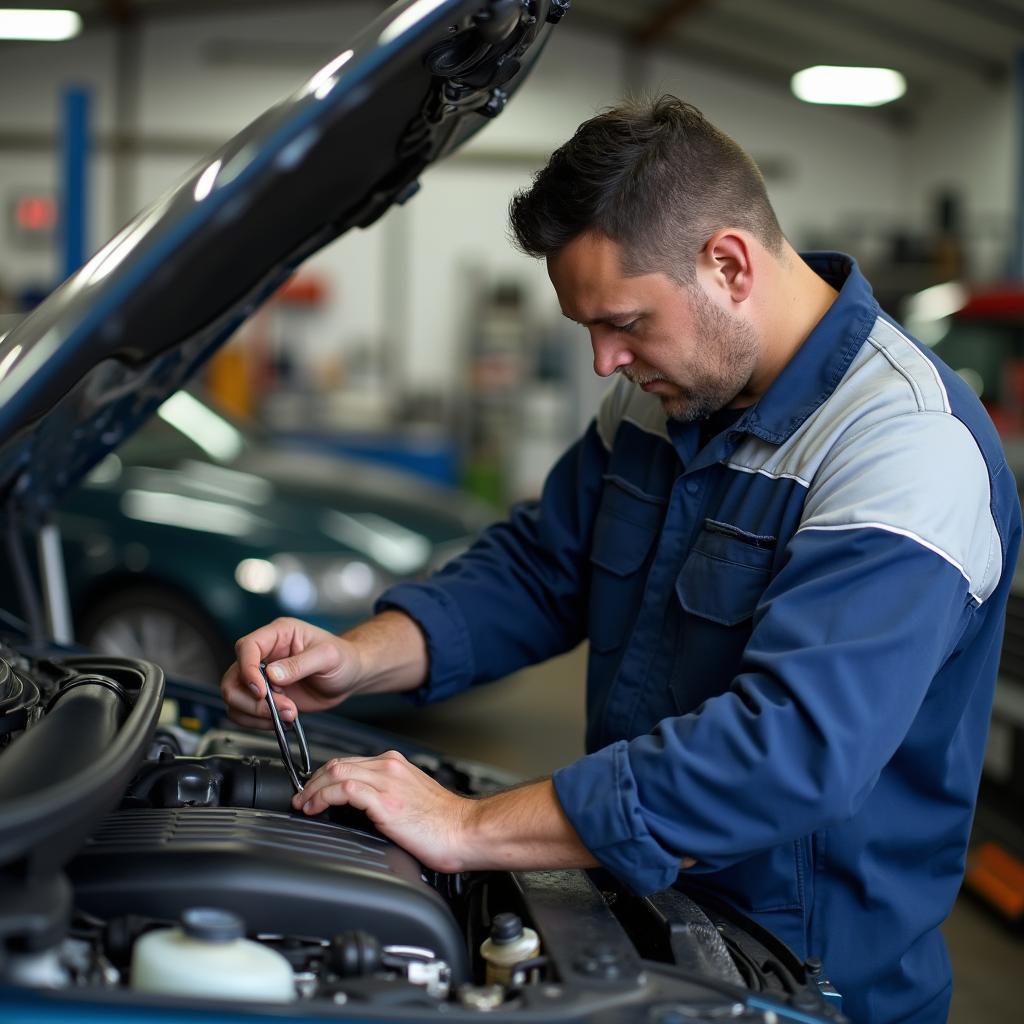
{"points": [[209, 956]]}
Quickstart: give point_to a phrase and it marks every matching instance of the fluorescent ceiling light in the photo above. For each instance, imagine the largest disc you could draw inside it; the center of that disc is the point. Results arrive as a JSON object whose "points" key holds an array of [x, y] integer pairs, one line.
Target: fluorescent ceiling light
{"points": [[852, 87], [44, 26]]}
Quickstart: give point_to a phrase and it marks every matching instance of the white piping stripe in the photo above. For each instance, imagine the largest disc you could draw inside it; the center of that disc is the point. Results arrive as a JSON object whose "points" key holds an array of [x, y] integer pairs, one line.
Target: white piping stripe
{"points": [[903, 533], [891, 359], [946, 407], [768, 473]]}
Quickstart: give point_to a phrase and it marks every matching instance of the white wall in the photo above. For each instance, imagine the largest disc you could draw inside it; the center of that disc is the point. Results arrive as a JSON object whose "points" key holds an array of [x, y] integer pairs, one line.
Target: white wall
{"points": [[840, 162], [404, 281], [967, 140]]}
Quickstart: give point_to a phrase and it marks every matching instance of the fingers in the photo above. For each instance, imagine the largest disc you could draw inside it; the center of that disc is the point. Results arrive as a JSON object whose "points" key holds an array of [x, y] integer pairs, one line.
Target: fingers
{"points": [[250, 721], [321, 658], [287, 662], [334, 783], [275, 640], [352, 792], [247, 709]]}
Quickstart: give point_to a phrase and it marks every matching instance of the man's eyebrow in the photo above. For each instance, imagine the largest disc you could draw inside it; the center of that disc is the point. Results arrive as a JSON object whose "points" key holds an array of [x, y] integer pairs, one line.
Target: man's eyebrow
{"points": [[618, 316]]}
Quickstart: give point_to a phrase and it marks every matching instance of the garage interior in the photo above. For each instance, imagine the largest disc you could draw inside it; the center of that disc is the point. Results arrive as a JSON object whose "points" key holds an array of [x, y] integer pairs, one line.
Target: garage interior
{"points": [[425, 353]]}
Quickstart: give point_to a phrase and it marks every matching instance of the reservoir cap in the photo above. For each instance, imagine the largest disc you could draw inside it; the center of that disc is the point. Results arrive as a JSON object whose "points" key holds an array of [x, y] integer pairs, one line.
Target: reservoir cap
{"points": [[505, 928], [212, 924]]}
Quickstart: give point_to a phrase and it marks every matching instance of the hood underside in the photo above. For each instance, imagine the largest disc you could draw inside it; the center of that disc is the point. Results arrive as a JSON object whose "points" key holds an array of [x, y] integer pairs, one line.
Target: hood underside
{"points": [[132, 325]]}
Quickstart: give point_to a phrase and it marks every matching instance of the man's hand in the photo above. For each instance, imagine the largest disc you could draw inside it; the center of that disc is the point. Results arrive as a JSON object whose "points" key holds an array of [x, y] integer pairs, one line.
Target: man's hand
{"points": [[317, 669], [404, 803], [313, 670]]}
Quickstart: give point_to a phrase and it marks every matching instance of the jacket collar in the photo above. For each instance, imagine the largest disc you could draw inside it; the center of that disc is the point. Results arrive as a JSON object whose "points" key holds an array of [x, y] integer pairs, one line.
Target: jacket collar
{"points": [[826, 354]]}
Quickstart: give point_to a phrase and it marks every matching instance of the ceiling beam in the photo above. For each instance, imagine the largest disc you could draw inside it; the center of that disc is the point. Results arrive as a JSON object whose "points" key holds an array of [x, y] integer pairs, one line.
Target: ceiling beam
{"points": [[924, 44], [664, 21], [790, 48], [1006, 15], [611, 24], [121, 12]]}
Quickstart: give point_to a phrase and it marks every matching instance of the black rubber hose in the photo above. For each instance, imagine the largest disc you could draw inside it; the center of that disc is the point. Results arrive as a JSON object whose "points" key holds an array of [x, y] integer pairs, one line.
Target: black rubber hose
{"points": [[76, 732]]}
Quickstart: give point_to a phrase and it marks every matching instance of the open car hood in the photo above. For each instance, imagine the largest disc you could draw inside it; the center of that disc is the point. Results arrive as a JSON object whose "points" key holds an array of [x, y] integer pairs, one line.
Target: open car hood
{"points": [[133, 324]]}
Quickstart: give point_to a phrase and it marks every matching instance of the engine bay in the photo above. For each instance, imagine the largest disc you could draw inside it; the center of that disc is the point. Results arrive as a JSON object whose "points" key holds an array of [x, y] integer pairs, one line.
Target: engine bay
{"points": [[149, 855]]}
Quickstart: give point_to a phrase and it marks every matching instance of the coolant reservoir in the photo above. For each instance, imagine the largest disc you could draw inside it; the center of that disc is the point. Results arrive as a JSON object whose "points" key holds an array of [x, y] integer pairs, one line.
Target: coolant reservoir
{"points": [[209, 956], [509, 945]]}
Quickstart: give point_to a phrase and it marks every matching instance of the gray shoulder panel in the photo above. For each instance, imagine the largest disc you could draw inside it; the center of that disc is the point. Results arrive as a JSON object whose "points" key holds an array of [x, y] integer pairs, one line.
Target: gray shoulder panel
{"points": [[624, 401], [920, 476], [888, 377], [884, 451]]}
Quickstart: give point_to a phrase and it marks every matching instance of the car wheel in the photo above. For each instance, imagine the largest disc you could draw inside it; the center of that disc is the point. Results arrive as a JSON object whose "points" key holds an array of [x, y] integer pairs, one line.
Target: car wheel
{"points": [[157, 625]]}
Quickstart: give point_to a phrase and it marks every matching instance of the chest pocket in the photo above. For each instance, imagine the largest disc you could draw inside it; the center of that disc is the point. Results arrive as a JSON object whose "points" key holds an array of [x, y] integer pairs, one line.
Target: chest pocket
{"points": [[627, 525], [725, 573], [718, 588]]}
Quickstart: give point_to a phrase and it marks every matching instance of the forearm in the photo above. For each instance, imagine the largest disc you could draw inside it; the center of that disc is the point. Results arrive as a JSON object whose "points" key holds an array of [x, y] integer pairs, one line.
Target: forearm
{"points": [[521, 829], [524, 829], [392, 653]]}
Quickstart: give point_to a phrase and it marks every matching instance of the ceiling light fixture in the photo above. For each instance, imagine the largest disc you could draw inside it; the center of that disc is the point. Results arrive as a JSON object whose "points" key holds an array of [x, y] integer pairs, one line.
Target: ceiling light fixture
{"points": [[39, 26], [851, 87]]}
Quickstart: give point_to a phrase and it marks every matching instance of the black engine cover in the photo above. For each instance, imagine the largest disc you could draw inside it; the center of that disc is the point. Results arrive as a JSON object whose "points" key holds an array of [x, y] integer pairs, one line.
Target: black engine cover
{"points": [[284, 874]]}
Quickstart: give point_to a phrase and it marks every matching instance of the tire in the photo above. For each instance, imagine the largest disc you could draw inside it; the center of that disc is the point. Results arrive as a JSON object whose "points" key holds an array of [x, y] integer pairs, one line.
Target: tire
{"points": [[157, 625]]}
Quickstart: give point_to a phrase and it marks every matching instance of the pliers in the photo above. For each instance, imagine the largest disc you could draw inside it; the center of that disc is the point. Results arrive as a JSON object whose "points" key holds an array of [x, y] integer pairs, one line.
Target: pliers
{"points": [[297, 777]]}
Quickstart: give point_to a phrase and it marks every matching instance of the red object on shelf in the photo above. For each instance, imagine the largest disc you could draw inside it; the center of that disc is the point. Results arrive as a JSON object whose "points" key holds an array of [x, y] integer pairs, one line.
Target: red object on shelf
{"points": [[302, 290], [35, 213], [996, 302]]}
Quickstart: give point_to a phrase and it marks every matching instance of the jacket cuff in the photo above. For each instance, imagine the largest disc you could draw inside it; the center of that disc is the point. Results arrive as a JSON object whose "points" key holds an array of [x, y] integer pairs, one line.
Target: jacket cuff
{"points": [[598, 794], [448, 645]]}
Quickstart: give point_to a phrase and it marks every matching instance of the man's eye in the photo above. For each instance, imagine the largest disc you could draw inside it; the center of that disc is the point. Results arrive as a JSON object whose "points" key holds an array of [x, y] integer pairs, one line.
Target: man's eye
{"points": [[627, 328]]}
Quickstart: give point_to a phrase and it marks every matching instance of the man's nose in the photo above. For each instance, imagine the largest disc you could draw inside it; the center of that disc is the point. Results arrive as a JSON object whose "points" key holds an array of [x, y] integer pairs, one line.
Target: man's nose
{"points": [[610, 354]]}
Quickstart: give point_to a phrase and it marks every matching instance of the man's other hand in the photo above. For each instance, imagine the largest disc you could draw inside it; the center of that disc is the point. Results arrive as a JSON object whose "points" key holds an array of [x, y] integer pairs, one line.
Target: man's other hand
{"points": [[404, 804], [311, 668]]}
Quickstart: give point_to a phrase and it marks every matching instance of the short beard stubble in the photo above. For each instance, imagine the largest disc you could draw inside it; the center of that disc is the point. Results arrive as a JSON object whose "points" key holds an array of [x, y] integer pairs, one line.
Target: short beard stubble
{"points": [[725, 356]]}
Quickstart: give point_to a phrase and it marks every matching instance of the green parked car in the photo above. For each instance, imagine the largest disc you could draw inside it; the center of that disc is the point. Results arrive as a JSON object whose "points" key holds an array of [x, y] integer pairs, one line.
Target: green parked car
{"points": [[197, 530]]}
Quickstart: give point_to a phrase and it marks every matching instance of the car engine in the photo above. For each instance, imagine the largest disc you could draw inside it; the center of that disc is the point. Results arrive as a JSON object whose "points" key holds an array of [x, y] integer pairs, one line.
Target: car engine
{"points": [[132, 818]]}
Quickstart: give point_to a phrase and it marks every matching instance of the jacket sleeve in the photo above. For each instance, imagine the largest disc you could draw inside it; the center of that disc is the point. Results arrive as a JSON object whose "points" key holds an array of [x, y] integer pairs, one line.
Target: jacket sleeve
{"points": [[884, 581], [518, 596]]}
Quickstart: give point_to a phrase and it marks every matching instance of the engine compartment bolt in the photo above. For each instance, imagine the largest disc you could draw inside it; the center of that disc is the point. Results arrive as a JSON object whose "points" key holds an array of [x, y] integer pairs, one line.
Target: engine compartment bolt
{"points": [[481, 997], [599, 962]]}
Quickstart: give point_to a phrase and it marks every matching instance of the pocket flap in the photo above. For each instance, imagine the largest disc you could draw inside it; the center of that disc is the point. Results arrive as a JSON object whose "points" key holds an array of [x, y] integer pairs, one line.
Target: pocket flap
{"points": [[625, 529], [723, 578]]}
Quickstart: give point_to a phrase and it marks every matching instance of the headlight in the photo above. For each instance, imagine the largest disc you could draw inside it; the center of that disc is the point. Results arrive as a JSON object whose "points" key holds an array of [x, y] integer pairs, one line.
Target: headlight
{"points": [[306, 583]]}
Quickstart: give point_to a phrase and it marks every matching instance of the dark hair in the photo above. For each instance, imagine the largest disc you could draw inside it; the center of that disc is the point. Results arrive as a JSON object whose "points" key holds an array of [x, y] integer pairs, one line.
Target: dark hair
{"points": [[656, 177]]}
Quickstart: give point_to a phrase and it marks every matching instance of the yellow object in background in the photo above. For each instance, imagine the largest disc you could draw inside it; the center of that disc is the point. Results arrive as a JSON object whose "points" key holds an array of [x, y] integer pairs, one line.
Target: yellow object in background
{"points": [[228, 380]]}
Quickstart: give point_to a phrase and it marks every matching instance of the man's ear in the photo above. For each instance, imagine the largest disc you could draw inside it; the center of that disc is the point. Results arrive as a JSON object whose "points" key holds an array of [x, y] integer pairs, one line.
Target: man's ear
{"points": [[726, 265]]}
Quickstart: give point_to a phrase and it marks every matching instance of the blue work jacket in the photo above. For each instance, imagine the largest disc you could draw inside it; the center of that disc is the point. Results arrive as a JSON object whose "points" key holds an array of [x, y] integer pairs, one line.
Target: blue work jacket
{"points": [[794, 633]]}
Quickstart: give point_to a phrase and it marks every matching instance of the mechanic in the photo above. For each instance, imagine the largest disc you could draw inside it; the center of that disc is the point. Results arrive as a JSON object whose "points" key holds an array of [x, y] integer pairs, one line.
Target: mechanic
{"points": [[788, 536]]}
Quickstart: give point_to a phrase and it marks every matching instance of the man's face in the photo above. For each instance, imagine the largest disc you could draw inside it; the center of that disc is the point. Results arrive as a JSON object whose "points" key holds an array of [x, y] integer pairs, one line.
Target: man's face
{"points": [[669, 340]]}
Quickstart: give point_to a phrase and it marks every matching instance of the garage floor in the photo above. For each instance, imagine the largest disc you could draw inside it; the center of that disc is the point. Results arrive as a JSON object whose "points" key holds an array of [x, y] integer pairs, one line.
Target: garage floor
{"points": [[533, 722]]}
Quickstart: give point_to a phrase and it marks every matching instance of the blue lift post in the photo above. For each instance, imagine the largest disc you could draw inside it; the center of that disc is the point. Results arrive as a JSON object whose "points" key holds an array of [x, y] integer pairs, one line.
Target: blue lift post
{"points": [[74, 173], [74, 160]]}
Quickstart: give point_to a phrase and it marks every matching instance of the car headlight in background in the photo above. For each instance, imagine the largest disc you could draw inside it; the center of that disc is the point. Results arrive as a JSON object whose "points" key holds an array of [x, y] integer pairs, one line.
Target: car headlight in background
{"points": [[307, 583]]}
